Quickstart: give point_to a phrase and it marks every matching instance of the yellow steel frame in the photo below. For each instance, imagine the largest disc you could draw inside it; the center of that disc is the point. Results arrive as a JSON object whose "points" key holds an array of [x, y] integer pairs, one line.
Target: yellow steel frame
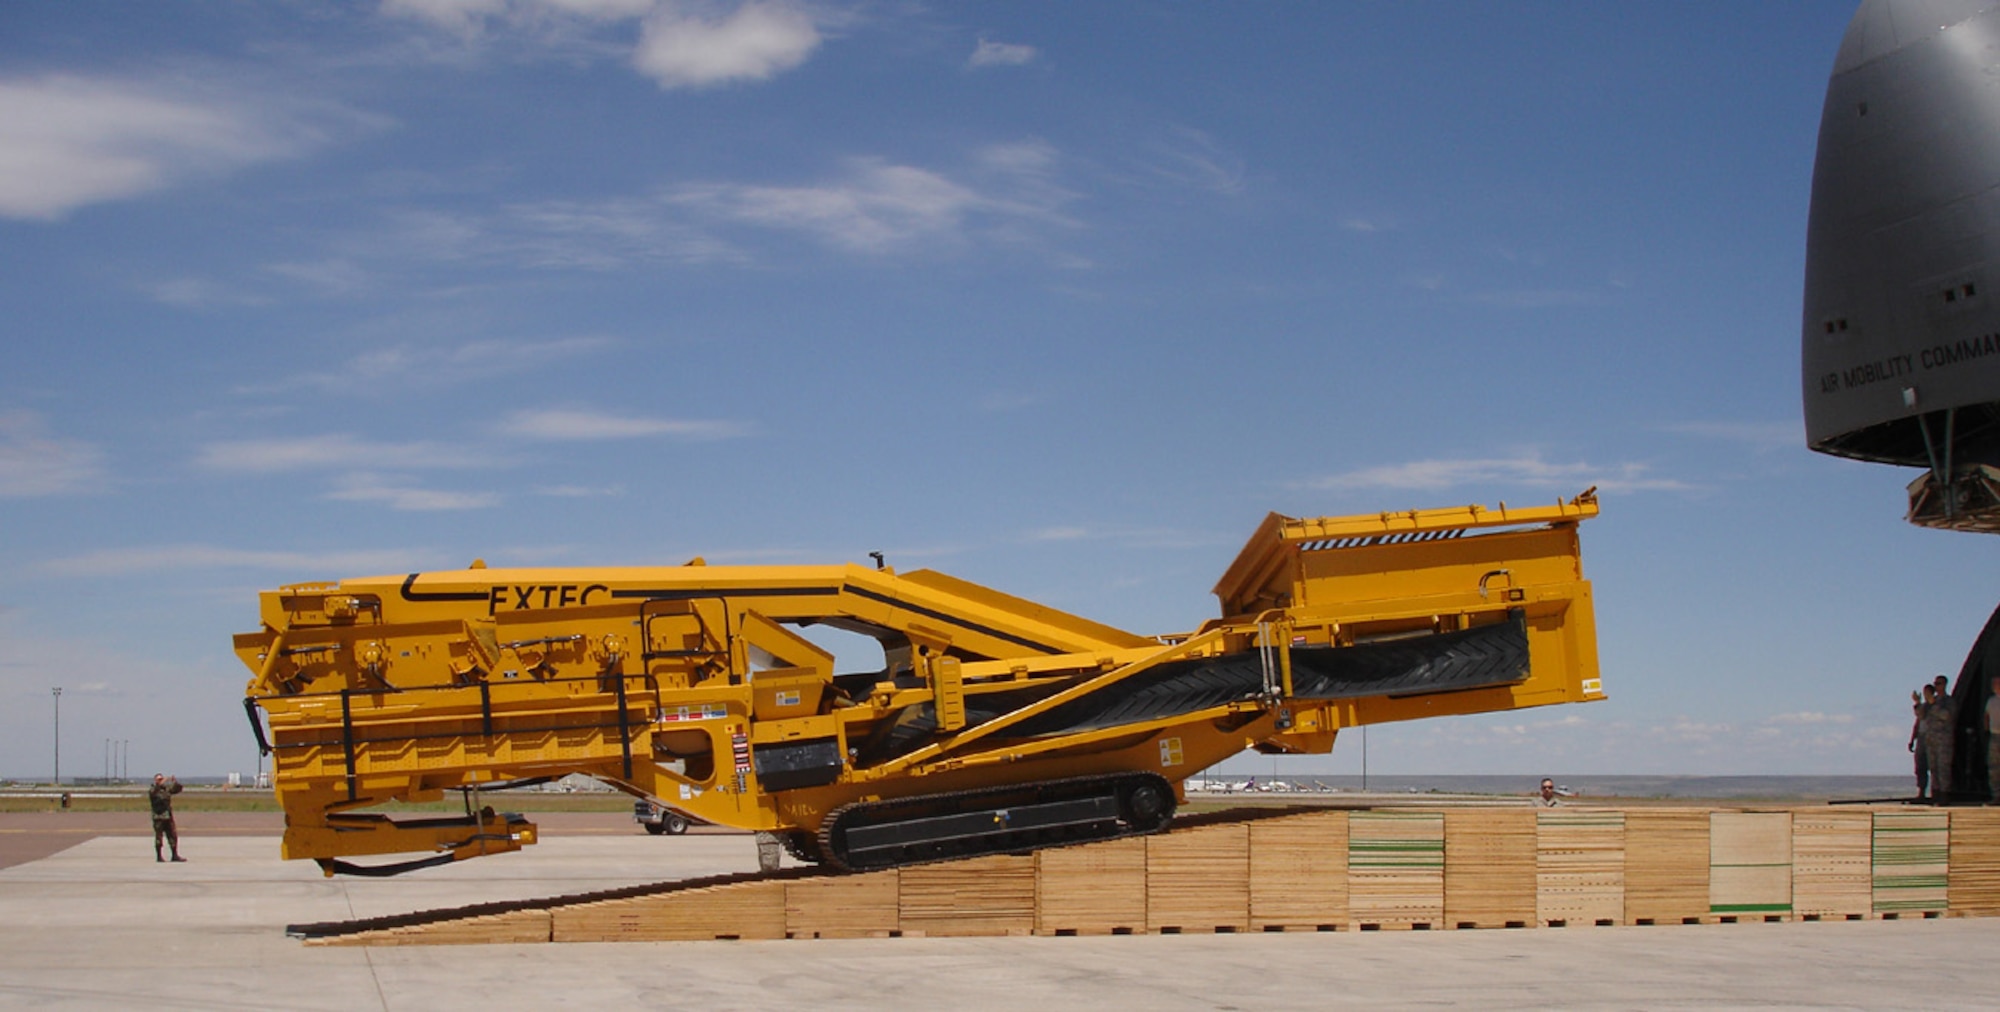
{"points": [[663, 681]]}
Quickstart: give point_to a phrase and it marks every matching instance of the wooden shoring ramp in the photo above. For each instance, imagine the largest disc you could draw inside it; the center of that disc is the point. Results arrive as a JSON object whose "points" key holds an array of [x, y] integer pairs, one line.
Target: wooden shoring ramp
{"points": [[1312, 869]]}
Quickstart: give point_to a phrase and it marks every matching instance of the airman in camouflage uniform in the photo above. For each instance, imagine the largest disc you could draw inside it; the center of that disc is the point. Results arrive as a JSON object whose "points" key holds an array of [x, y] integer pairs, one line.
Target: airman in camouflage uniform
{"points": [[1936, 731], [1993, 740], [161, 794]]}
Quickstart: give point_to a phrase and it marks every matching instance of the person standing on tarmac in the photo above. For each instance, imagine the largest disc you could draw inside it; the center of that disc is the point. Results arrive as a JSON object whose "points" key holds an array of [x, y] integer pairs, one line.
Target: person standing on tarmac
{"points": [[1917, 707], [1993, 740], [1547, 797], [1937, 731], [161, 795]]}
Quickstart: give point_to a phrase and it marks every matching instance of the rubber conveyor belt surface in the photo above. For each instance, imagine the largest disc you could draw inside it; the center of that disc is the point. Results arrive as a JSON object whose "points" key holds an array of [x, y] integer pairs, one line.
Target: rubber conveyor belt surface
{"points": [[1483, 656]]}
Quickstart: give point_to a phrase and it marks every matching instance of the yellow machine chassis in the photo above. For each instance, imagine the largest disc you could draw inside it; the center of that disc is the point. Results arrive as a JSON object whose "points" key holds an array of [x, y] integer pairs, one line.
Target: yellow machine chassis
{"points": [[689, 685]]}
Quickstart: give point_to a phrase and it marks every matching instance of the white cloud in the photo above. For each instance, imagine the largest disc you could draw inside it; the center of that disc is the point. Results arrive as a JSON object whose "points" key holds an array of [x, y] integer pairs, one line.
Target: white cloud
{"points": [[196, 293], [1809, 717], [1193, 158], [460, 17], [680, 47], [399, 367], [183, 558], [1528, 469], [367, 487], [566, 425], [879, 207], [68, 142], [34, 463], [1000, 54], [273, 456]]}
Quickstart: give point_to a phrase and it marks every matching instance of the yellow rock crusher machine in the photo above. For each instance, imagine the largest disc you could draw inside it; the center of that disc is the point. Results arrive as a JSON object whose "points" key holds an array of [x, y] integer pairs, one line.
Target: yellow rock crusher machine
{"points": [[996, 724]]}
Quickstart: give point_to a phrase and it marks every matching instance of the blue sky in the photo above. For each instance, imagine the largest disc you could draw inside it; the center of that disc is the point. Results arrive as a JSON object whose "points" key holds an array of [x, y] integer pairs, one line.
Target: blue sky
{"points": [[1060, 298]]}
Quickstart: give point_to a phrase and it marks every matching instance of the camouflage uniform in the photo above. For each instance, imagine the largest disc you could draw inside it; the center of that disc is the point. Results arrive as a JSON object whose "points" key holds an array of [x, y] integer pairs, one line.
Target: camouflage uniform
{"points": [[1993, 744], [161, 794], [1937, 729]]}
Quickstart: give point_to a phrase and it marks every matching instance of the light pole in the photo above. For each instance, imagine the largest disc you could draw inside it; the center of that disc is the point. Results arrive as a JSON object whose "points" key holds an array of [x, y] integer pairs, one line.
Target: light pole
{"points": [[56, 693], [124, 758]]}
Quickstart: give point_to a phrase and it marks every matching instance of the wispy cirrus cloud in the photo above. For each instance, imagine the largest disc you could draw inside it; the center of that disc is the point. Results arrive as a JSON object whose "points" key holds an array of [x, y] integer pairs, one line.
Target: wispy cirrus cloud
{"points": [[68, 142], [1529, 470], [1188, 158], [565, 425], [34, 463], [333, 451], [400, 493], [399, 367], [182, 558], [1000, 54]]}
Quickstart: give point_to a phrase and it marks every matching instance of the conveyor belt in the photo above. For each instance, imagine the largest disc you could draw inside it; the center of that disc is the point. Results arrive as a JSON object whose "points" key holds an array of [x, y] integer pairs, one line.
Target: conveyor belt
{"points": [[1484, 656]]}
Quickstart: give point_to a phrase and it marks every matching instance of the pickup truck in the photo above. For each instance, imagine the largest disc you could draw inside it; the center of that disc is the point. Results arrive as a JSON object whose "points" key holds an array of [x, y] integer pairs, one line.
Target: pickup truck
{"points": [[658, 819]]}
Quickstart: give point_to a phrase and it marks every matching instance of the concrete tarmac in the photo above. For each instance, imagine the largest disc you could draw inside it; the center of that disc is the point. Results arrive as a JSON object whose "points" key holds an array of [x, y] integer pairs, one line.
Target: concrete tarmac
{"points": [[99, 924]]}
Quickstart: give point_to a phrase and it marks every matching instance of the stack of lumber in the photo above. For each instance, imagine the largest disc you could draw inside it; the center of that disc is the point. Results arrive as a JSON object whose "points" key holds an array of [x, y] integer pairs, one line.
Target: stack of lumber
{"points": [[1975, 862], [1911, 855], [1750, 864], [1198, 879], [844, 906], [1395, 869], [1832, 863], [1666, 865], [1095, 889], [977, 896], [515, 926], [736, 910], [1489, 867], [1580, 867], [1298, 872]]}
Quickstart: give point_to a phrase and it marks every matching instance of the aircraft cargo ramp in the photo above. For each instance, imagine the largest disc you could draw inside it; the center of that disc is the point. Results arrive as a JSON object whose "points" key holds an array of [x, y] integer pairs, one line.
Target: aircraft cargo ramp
{"points": [[1315, 870]]}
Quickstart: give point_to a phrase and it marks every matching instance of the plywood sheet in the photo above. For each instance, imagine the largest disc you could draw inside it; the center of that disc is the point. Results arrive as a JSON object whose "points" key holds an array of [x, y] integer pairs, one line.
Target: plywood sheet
{"points": [[1580, 866], [978, 896], [1093, 889], [1198, 879], [844, 906], [1912, 851], [736, 910], [1395, 868], [1831, 862], [1750, 863], [1666, 865], [1974, 884], [1489, 867], [1298, 871]]}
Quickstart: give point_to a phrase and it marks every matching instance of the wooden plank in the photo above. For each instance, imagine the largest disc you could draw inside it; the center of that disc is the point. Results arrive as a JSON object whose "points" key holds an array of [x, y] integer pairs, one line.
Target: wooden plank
{"points": [[1911, 856], [1298, 872], [511, 928], [1750, 863], [1093, 889], [1395, 869], [979, 896], [1973, 888], [1489, 868], [1580, 867], [736, 910], [1198, 879], [1831, 863], [1666, 865], [843, 906]]}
